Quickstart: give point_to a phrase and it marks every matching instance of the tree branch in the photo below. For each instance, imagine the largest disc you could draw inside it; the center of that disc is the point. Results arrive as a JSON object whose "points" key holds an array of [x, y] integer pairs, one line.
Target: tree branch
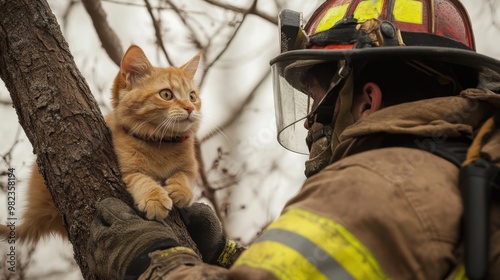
{"points": [[159, 37], [208, 190], [109, 39], [252, 10]]}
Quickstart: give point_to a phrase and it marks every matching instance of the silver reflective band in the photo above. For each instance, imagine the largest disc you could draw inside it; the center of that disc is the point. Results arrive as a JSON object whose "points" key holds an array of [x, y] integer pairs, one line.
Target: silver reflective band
{"points": [[328, 266]]}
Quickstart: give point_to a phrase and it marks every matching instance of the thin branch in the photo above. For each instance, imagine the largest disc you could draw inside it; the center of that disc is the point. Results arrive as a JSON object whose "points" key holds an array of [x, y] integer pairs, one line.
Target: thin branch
{"points": [[208, 190], [228, 43], [493, 9], [66, 13], [231, 38], [182, 15], [109, 39], [6, 102], [252, 10], [157, 28], [123, 3], [7, 156], [116, 2], [234, 116]]}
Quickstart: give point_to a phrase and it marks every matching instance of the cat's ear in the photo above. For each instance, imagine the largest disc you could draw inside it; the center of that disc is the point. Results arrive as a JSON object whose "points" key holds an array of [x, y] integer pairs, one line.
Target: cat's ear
{"points": [[135, 65], [191, 66]]}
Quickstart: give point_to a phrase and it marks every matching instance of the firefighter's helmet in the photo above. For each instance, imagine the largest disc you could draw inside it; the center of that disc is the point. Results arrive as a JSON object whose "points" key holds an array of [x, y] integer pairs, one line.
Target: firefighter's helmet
{"points": [[345, 32]]}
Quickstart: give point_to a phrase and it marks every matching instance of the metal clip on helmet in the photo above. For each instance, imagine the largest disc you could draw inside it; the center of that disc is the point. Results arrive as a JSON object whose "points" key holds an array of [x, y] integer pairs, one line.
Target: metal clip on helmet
{"points": [[345, 32]]}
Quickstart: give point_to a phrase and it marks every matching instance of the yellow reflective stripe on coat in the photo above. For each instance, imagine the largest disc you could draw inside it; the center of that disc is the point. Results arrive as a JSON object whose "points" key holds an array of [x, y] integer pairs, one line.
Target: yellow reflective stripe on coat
{"points": [[458, 274], [303, 245]]}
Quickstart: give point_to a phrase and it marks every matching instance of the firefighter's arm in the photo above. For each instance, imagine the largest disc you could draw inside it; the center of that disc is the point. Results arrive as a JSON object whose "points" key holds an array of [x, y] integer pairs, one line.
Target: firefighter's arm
{"points": [[206, 231], [121, 244]]}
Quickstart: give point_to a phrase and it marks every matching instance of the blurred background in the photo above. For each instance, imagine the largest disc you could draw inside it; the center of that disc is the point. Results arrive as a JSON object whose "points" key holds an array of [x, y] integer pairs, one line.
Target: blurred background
{"points": [[247, 175]]}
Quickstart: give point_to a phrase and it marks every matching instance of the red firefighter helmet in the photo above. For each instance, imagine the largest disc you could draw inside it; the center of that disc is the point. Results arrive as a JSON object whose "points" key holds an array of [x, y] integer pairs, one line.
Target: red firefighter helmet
{"points": [[344, 32], [442, 23]]}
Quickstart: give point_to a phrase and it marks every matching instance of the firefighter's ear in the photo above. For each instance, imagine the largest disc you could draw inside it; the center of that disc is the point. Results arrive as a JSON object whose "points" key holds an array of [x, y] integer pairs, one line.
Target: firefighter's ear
{"points": [[369, 101]]}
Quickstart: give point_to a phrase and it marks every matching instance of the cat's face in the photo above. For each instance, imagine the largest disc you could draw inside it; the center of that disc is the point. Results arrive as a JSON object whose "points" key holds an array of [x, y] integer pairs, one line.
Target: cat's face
{"points": [[156, 102]]}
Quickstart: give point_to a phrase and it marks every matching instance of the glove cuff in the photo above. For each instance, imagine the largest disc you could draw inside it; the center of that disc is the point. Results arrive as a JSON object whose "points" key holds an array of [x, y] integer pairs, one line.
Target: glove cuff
{"points": [[228, 254], [164, 261], [141, 262]]}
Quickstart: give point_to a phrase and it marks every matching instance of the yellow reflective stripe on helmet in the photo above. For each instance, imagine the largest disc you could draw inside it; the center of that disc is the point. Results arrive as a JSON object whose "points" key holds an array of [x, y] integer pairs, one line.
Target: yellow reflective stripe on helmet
{"points": [[334, 252], [332, 16], [410, 11], [368, 9]]}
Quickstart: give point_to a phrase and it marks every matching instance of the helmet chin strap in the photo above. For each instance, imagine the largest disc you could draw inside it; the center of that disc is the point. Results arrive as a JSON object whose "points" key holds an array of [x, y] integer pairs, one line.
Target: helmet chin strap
{"points": [[344, 116], [323, 142]]}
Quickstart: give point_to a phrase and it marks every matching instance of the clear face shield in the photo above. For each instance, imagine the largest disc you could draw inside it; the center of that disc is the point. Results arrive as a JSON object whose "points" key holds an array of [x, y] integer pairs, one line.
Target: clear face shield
{"points": [[302, 82], [291, 108], [300, 87]]}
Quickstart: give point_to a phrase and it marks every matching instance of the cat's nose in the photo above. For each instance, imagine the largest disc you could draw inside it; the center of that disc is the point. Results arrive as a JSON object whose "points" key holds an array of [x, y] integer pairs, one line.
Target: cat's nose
{"points": [[189, 109]]}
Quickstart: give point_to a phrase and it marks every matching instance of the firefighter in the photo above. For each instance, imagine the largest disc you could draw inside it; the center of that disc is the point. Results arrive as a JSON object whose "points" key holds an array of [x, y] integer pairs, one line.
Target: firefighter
{"points": [[388, 95]]}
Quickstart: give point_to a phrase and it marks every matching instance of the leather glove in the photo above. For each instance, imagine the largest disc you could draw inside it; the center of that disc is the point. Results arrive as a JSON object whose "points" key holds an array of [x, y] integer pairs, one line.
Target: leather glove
{"points": [[120, 241], [206, 231]]}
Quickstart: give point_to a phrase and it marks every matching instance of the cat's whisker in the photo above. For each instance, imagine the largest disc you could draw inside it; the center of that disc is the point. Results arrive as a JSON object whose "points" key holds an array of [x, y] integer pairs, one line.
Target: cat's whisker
{"points": [[206, 121], [164, 125], [137, 129]]}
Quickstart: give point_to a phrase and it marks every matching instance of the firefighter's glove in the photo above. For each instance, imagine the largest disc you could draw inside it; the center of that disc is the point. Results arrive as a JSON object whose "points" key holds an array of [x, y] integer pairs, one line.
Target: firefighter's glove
{"points": [[120, 241], [206, 231]]}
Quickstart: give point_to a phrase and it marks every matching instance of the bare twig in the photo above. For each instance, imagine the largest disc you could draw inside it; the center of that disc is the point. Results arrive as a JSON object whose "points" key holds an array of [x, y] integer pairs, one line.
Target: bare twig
{"points": [[233, 117], [182, 15], [109, 39], [123, 3], [493, 8], [159, 37], [6, 102], [208, 190], [66, 14], [252, 10], [231, 38], [7, 156], [228, 42]]}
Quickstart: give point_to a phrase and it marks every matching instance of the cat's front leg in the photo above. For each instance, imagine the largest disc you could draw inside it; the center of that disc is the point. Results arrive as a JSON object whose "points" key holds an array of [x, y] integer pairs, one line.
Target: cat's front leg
{"points": [[149, 196], [179, 190]]}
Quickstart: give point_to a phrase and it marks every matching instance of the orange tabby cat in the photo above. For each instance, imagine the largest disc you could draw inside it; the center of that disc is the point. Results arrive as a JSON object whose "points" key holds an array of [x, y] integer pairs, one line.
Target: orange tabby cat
{"points": [[156, 112]]}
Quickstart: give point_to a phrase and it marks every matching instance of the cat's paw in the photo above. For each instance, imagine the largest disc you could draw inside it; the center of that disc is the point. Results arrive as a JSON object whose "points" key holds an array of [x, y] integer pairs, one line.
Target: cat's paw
{"points": [[156, 206], [182, 196]]}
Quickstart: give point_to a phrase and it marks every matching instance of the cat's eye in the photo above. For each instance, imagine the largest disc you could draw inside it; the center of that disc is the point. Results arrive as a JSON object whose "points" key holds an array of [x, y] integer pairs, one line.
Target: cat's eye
{"points": [[166, 94], [192, 97]]}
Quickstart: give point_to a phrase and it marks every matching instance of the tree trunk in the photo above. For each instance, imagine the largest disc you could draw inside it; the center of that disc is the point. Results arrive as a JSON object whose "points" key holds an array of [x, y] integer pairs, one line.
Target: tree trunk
{"points": [[61, 119]]}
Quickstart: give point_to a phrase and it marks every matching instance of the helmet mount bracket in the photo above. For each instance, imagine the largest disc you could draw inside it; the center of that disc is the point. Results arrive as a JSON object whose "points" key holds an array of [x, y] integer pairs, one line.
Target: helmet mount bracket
{"points": [[292, 35]]}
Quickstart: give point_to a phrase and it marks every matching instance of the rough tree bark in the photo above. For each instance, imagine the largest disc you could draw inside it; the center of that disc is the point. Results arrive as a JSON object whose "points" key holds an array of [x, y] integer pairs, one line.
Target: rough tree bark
{"points": [[61, 119]]}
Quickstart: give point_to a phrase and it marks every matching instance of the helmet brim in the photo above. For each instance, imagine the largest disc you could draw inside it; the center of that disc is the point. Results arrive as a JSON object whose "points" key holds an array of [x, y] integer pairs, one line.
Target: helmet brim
{"points": [[455, 56]]}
